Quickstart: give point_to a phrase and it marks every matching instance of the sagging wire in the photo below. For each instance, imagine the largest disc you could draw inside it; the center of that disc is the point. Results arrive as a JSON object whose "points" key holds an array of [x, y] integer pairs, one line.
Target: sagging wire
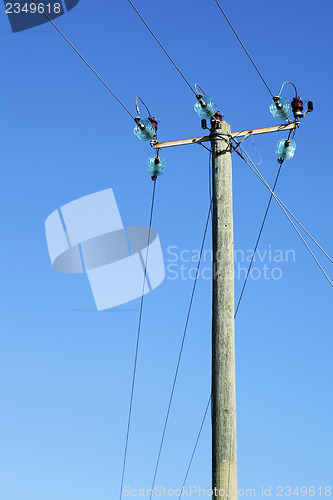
{"points": [[144, 129], [181, 349], [196, 86], [286, 211], [256, 150], [160, 44], [85, 61], [137, 107], [137, 345], [210, 397], [257, 242], [284, 83], [272, 194], [206, 104], [291, 214], [247, 53], [182, 345], [195, 446], [280, 161]]}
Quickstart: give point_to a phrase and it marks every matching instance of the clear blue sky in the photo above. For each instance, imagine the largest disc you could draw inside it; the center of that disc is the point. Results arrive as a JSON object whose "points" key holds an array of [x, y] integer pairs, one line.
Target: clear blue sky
{"points": [[65, 370]]}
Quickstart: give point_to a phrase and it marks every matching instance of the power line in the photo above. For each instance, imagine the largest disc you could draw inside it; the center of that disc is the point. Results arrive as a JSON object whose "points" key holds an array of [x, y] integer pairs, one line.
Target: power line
{"points": [[257, 172], [240, 41], [260, 231], [307, 246], [286, 211], [241, 295], [195, 446], [258, 240], [86, 62], [164, 50], [142, 297], [137, 345], [305, 230], [209, 168], [181, 351]]}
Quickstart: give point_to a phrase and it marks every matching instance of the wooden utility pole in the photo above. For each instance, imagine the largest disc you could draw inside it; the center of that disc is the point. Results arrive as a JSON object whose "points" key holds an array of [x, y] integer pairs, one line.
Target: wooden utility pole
{"points": [[224, 449], [224, 445]]}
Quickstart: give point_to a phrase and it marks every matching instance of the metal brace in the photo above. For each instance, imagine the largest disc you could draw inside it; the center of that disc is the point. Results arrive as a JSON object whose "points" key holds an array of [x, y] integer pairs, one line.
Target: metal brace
{"points": [[246, 136]]}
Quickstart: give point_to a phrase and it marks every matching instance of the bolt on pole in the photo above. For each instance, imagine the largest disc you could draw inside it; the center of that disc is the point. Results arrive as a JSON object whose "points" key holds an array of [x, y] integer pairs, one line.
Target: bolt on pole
{"points": [[224, 448]]}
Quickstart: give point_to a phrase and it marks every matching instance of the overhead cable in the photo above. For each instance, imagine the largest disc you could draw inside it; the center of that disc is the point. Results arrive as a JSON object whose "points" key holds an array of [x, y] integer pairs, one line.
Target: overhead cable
{"points": [[137, 106], [164, 50], [240, 41], [195, 446], [257, 242], [257, 172], [181, 350], [291, 83], [86, 62], [137, 345], [260, 231], [286, 212]]}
